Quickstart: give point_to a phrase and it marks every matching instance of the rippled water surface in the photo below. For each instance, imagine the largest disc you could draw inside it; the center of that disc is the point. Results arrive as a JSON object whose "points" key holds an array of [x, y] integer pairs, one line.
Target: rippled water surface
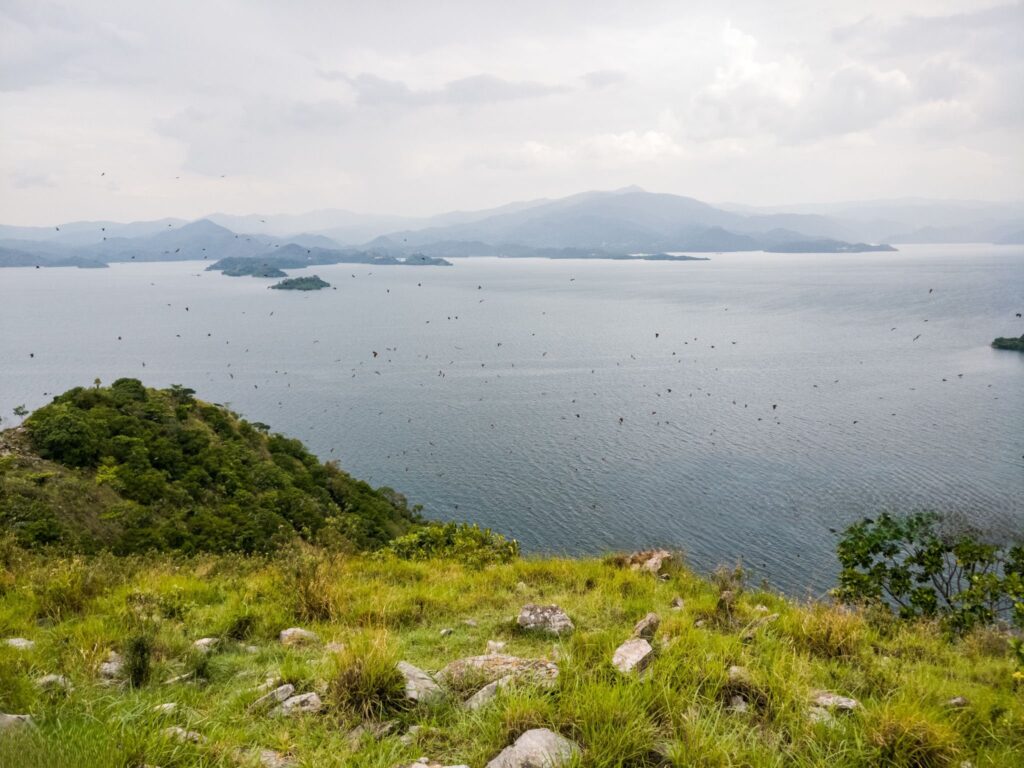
{"points": [[736, 408]]}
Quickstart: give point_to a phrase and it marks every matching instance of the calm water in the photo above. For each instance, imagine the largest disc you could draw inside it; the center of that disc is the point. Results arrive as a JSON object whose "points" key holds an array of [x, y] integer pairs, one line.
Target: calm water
{"points": [[499, 386]]}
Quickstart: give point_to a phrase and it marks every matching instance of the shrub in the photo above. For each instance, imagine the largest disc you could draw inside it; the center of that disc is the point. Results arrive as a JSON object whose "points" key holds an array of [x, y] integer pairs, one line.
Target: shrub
{"points": [[137, 655], [366, 682], [468, 544], [908, 740], [924, 570]]}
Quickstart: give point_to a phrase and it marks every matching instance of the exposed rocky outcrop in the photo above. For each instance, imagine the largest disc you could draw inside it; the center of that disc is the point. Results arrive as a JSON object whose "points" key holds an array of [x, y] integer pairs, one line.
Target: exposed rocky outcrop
{"points": [[298, 636], [545, 618], [494, 666], [419, 686], [537, 748], [633, 655]]}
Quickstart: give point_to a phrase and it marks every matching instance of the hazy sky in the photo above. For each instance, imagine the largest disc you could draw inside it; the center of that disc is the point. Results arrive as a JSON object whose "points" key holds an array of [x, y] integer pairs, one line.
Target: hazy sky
{"points": [[418, 107]]}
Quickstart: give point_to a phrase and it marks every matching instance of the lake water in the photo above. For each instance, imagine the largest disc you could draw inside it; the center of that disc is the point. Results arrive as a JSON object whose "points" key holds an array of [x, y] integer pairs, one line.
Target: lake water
{"points": [[735, 408]]}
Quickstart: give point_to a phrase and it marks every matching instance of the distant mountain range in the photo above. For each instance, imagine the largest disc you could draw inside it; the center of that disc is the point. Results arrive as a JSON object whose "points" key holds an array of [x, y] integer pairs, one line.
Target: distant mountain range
{"points": [[610, 224]]}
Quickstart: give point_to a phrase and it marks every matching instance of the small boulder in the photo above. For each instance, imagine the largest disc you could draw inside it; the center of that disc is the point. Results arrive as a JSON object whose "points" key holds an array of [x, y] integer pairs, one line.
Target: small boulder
{"points": [[268, 758], [12, 722], [958, 702], [537, 748], [408, 738], [834, 702], [177, 733], [206, 644], [469, 622], [54, 683], [486, 694], [649, 560], [168, 708], [677, 603], [738, 704], [297, 636], [495, 646], [739, 675], [304, 703], [419, 686], [20, 643], [446, 631], [820, 715], [277, 696], [647, 626], [494, 666], [545, 618], [112, 668], [633, 655]]}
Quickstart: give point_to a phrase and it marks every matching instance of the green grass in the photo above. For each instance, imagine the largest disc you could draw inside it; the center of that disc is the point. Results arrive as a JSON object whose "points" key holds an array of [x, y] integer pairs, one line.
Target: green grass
{"points": [[381, 609]]}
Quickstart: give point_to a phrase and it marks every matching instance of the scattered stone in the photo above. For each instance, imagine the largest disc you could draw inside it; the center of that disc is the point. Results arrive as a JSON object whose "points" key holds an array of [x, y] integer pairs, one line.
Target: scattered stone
{"points": [[738, 704], [11, 722], [446, 631], [112, 667], [633, 655], [486, 694], [54, 683], [545, 618], [372, 730], [699, 623], [409, 737], [178, 733], [253, 649], [268, 758], [469, 622], [820, 715], [304, 703], [178, 679], [958, 702], [206, 644], [419, 686], [266, 685], [677, 603], [495, 646], [334, 647], [739, 675], [833, 701], [166, 709], [297, 636], [277, 696], [537, 748], [21, 643], [425, 763], [494, 666], [647, 626], [650, 560]]}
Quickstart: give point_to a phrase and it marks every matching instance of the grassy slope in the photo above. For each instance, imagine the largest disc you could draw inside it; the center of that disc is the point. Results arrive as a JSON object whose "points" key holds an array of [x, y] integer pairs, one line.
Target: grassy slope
{"points": [[384, 609]]}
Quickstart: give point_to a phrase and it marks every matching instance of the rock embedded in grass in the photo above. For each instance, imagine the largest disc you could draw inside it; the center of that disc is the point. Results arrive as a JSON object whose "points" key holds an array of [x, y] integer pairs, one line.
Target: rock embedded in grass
{"points": [[419, 686], [426, 763], [537, 748], [545, 618], [677, 603], [20, 643], [304, 703], [168, 708], [649, 560], [834, 702], [279, 695], [54, 683], [298, 636], [268, 758], [13, 722], [177, 733], [647, 626], [493, 666], [112, 668], [958, 702], [633, 656], [206, 644], [495, 646], [485, 695]]}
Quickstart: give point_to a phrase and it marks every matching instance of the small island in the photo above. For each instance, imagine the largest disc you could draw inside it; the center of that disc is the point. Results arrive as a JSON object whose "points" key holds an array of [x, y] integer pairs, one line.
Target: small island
{"points": [[313, 283], [255, 269], [1010, 343]]}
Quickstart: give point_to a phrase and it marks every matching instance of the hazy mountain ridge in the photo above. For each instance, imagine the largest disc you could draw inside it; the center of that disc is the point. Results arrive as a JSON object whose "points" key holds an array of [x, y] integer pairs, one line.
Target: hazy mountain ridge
{"points": [[595, 224]]}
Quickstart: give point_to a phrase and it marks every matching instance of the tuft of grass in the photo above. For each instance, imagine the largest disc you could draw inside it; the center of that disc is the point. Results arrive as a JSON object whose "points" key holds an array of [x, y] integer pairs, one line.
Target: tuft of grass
{"points": [[909, 740], [364, 681]]}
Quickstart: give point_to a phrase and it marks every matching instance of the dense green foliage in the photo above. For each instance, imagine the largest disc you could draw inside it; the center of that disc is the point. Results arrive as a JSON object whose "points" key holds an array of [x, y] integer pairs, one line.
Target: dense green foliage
{"points": [[910, 562], [134, 469], [468, 544], [1009, 342], [311, 283], [375, 610]]}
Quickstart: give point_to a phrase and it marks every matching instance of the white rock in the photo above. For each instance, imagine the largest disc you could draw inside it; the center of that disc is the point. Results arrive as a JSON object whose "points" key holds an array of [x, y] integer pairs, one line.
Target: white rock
{"points": [[495, 646], [484, 696], [545, 618], [112, 667], [10, 722], [469, 622], [409, 737], [419, 686], [304, 703], [647, 626], [21, 643], [739, 675], [297, 636], [738, 704], [278, 695], [650, 560], [166, 709], [206, 644], [537, 748], [54, 682], [268, 758], [445, 632], [677, 603], [178, 679], [820, 715], [833, 701], [178, 733], [958, 702], [633, 655]]}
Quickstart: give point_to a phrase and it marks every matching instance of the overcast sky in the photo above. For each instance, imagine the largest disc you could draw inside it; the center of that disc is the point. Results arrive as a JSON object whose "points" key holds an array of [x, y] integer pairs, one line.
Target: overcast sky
{"points": [[188, 108]]}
